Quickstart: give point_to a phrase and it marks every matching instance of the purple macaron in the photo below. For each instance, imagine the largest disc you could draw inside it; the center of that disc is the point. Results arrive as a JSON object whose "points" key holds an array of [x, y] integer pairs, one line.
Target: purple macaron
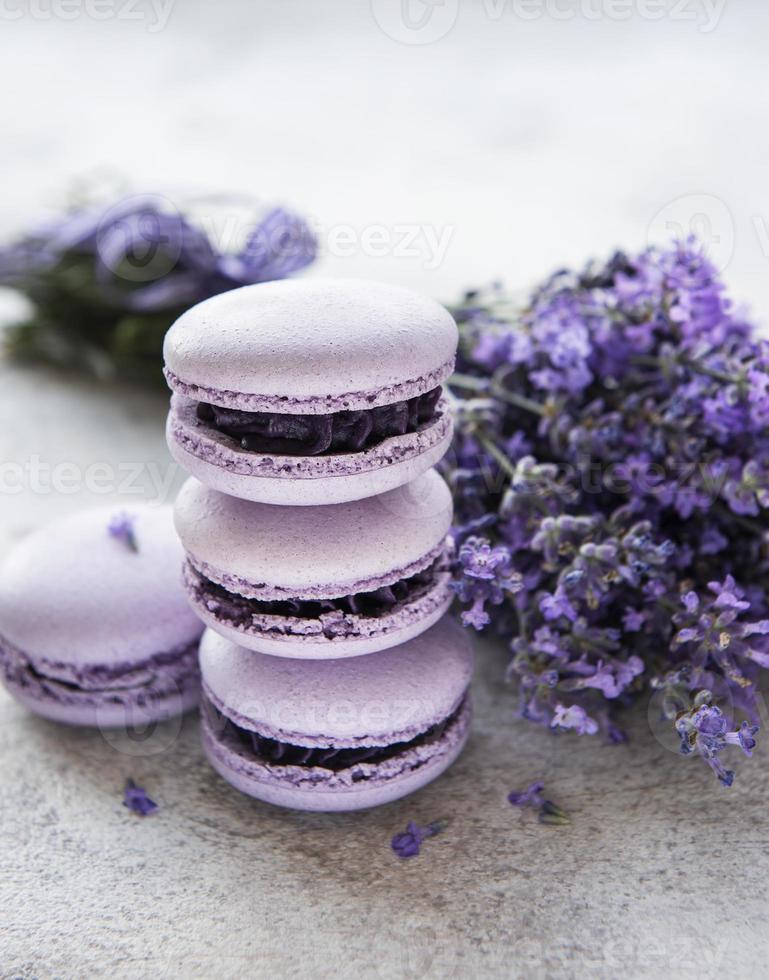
{"points": [[336, 735], [310, 391], [318, 582], [94, 625]]}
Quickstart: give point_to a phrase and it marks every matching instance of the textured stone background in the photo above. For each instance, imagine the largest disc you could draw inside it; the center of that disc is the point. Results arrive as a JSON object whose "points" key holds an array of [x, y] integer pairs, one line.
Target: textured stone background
{"points": [[537, 142]]}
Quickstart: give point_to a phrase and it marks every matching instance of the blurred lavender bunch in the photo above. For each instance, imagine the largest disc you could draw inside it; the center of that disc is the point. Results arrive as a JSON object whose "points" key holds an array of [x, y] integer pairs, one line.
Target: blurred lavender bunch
{"points": [[106, 281], [611, 479]]}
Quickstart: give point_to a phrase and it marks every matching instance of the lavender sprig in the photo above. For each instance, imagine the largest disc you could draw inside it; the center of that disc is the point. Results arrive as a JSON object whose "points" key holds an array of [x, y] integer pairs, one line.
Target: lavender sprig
{"points": [[107, 279], [611, 483], [547, 811]]}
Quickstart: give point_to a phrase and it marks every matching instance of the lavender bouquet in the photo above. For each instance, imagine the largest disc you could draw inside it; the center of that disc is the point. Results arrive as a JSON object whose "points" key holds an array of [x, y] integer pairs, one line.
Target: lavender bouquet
{"points": [[611, 478], [106, 281]]}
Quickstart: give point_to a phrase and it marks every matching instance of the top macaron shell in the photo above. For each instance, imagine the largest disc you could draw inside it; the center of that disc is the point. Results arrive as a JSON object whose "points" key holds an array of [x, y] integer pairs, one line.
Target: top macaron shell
{"points": [[316, 345], [378, 700], [73, 593], [327, 551]]}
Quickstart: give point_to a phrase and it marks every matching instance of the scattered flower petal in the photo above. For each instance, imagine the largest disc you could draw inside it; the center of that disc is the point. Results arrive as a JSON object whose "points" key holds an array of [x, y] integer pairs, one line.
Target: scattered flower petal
{"points": [[137, 801], [408, 844], [122, 528]]}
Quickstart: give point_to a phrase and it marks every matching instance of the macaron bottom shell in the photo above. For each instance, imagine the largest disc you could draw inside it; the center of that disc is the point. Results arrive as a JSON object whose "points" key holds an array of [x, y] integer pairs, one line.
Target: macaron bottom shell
{"points": [[315, 789], [294, 481], [156, 694], [305, 639], [109, 714]]}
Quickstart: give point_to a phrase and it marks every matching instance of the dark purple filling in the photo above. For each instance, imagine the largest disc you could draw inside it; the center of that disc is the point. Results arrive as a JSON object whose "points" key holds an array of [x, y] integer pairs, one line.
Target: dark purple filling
{"points": [[239, 610], [269, 750], [312, 435]]}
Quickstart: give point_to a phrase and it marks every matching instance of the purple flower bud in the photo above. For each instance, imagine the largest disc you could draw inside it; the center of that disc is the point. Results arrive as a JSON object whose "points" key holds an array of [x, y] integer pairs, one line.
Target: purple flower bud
{"points": [[137, 801], [633, 620], [409, 843], [531, 796], [122, 528]]}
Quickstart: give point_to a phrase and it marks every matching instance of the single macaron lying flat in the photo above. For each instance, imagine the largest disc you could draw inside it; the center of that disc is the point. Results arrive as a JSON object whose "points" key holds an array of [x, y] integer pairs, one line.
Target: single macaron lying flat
{"points": [[310, 391], [333, 581], [337, 735], [94, 625]]}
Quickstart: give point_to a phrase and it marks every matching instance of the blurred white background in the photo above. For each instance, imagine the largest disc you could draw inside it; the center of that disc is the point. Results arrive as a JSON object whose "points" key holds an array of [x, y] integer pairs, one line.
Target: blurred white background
{"points": [[498, 139]]}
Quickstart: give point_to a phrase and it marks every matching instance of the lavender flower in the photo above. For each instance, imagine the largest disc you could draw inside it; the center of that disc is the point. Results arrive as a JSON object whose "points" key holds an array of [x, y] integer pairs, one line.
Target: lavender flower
{"points": [[575, 717], [612, 447], [148, 255], [107, 280], [485, 576], [713, 632], [122, 527], [704, 729], [278, 246], [137, 801], [547, 811], [408, 844]]}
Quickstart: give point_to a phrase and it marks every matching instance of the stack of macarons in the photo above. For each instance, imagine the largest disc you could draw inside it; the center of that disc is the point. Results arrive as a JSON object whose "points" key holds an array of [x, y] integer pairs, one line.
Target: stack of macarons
{"points": [[309, 415]]}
